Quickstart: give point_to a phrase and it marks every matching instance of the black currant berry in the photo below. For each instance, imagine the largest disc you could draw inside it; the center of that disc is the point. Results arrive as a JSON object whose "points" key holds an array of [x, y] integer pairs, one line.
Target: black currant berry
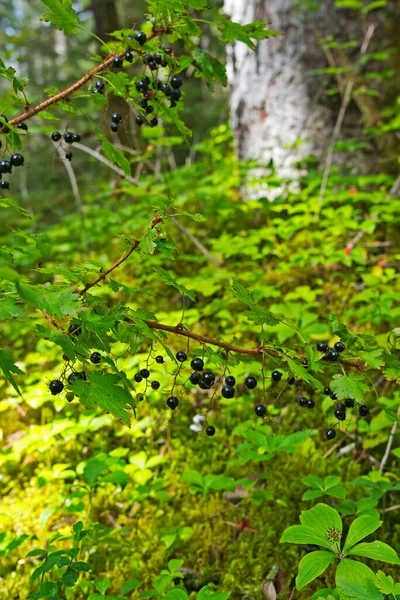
{"points": [[208, 378], [146, 80], [116, 118], [139, 120], [142, 102], [23, 126], [138, 378], [82, 375], [95, 358], [195, 378], [227, 391], [250, 382], [68, 137], [349, 402], [327, 391], [69, 396], [330, 434], [339, 346], [322, 346], [76, 137], [154, 122], [75, 329], [145, 373], [276, 375], [65, 357], [303, 402], [128, 56], [155, 385], [4, 185], [100, 85], [181, 356], [17, 160], [72, 377], [114, 127], [332, 355], [175, 94], [340, 414], [230, 380], [118, 62], [332, 396], [290, 380], [210, 430], [56, 136], [3, 126], [260, 410], [197, 364], [139, 397], [159, 360], [68, 155], [176, 82], [158, 58], [363, 410], [149, 109], [172, 402], [5, 166], [56, 387], [310, 403], [203, 386], [142, 85], [165, 88], [140, 37], [304, 362]]}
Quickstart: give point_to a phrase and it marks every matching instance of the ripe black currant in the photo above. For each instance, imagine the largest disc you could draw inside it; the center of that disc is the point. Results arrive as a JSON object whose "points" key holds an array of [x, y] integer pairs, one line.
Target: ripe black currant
{"points": [[5, 166], [332, 355], [176, 82], [76, 137], [145, 373], [208, 378], [172, 402], [310, 403], [210, 430], [172, 104], [138, 378], [3, 126], [68, 137], [155, 385], [69, 396], [17, 160], [230, 380], [142, 85], [68, 155], [327, 391], [154, 122], [349, 402], [95, 358], [159, 360], [203, 386], [175, 94], [117, 62], [227, 391], [128, 56], [114, 127], [339, 346], [322, 346], [197, 364], [158, 58], [23, 126], [82, 375], [303, 402], [276, 375], [340, 414], [4, 185], [363, 410], [116, 118], [56, 387], [142, 102], [330, 434], [195, 378], [56, 136], [149, 109], [72, 377], [291, 380], [140, 37], [181, 356], [250, 382], [152, 65], [165, 88], [139, 397], [260, 410], [139, 120], [100, 85], [75, 329], [332, 396]]}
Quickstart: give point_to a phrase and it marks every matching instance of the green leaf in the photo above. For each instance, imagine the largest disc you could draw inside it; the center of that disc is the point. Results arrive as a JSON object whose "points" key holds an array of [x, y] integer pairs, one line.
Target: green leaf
{"points": [[198, 4], [8, 367], [102, 585], [313, 481], [355, 580], [372, 358], [129, 586], [176, 593], [331, 481], [325, 521], [312, 565], [359, 529], [232, 31], [258, 314], [207, 593], [62, 15], [377, 551], [349, 386], [114, 155], [106, 391], [210, 67], [302, 373], [336, 492], [47, 589], [385, 583], [164, 276], [311, 495], [300, 534], [92, 471], [56, 302]]}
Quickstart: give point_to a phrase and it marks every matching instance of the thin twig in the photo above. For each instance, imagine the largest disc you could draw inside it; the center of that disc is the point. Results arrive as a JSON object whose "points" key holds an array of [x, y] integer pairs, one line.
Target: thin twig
{"points": [[107, 162], [75, 191], [339, 122], [196, 242], [390, 508], [389, 443]]}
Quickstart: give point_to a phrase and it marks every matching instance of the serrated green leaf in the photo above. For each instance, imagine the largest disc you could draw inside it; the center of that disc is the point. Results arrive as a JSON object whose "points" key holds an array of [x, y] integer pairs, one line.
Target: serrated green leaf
{"points": [[56, 302], [210, 67], [114, 155], [301, 534], [232, 31], [349, 386], [169, 280], [106, 391], [62, 15], [8, 367]]}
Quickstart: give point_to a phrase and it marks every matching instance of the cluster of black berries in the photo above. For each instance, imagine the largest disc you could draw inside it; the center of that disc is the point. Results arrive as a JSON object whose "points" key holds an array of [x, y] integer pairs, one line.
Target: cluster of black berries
{"points": [[331, 354], [69, 138], [16, 160], [116, 119], [56, 386]]}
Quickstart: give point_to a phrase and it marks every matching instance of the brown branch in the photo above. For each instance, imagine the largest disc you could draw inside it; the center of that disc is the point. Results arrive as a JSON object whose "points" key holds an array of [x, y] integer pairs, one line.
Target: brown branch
{"points": [[64, 95], [119, 262]]}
